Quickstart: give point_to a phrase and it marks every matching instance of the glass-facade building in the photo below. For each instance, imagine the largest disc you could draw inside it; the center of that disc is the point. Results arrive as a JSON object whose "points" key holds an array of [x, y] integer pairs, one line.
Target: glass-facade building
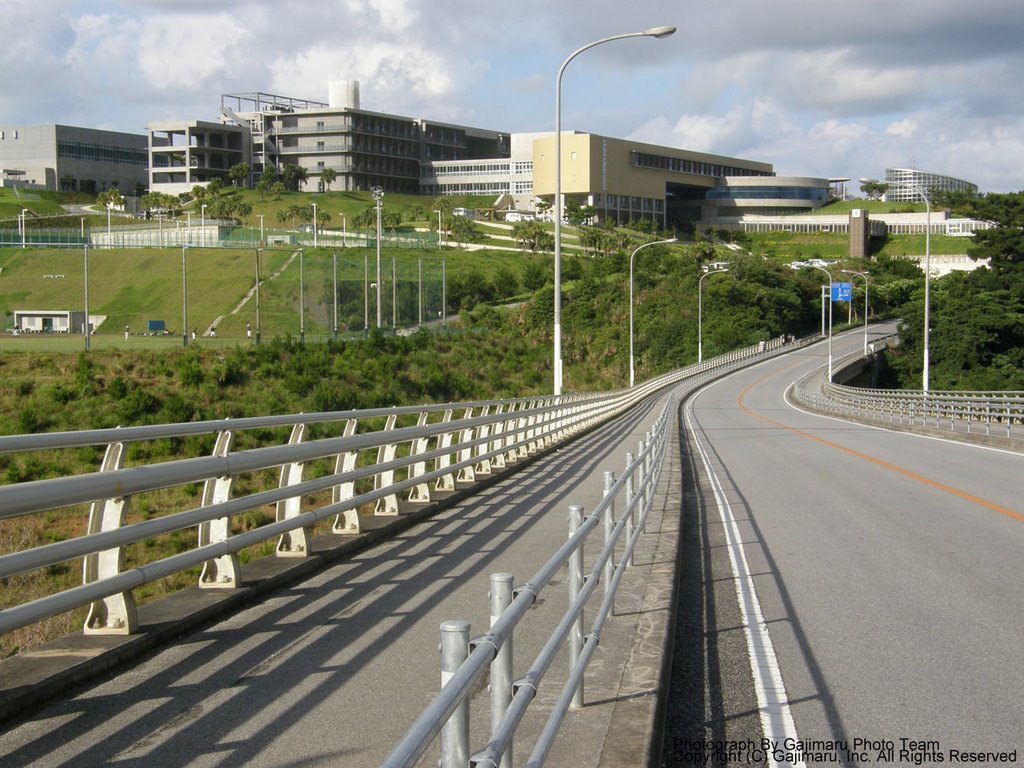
{"points": [[906, 184]]}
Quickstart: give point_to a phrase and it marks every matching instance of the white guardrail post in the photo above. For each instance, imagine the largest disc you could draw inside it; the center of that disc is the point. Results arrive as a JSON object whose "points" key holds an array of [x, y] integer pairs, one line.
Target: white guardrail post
{"points": [[455, 734], [609, 541], [575, 586], [501, 668], [114, 614], [223, 572]]}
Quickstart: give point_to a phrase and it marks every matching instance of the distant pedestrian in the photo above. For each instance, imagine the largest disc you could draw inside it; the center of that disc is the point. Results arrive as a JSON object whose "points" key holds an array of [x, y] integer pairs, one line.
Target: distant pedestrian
{"points": [[126, 333], [193, 334], [248, 330]]}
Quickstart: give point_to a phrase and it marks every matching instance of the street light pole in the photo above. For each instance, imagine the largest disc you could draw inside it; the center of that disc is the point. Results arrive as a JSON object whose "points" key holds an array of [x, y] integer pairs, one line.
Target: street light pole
{"points": [[259, 328], [85, 280], [202, 228], [334, 258], [925, 362], [302, 297], [700, 312], [184, 299], [829, 274], [865, 276], [632, 377], [378, 195], [314, 226], [927, 288], [656, 32]]}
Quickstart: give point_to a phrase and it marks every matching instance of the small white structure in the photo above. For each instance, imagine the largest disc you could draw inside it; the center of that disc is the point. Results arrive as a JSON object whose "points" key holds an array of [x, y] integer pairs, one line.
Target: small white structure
{"points": [[48, 321]]}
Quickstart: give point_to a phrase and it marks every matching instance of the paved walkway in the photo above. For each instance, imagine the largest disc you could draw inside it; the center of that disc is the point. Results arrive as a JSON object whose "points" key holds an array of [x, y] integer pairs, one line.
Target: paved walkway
{"points": [[333, 669]]}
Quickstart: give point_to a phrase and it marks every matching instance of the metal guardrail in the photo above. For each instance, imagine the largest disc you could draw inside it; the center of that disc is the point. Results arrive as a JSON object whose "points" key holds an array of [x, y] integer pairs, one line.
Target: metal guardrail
{"points": [[997, 415], [310, 467], [465, 662]]}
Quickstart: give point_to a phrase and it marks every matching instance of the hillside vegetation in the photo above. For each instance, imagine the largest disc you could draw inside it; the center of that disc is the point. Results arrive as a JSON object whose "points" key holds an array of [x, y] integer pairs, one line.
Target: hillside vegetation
{"points": [[497, 344]]}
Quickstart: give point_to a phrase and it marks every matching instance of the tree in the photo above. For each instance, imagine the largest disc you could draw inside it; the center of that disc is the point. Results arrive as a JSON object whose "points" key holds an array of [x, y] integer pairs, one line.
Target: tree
{"points": [[532, 235], [574, 213], [328, 176], [535, 276], [462, 230], [294, 176], [1003, 243], [239, 173], [873, 189], [111, 198]]}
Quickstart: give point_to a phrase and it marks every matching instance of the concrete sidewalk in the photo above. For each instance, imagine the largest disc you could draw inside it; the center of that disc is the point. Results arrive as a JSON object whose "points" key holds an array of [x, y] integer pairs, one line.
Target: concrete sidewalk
{"points": [[352, 633]]}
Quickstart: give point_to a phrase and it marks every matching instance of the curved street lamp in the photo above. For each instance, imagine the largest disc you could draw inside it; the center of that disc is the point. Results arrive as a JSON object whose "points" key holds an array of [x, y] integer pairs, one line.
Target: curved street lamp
{"points": [[378, 196], [184, 299], [700, 312], [634, 253], [864, 274], [302, 297], [656, 32], [920, 189], [829, 274]]}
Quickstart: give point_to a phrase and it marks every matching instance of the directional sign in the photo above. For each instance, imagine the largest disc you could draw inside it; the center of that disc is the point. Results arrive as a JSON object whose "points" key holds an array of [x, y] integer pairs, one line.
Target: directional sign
{"points": [[842, 291]]}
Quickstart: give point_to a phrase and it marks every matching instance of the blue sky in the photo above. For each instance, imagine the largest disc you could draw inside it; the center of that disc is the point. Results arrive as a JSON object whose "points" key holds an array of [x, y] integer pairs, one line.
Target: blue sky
{"points": [[817, 89]]}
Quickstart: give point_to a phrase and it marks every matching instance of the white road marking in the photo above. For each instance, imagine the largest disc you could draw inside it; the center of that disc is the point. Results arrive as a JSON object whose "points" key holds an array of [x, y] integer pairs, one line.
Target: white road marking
{"points": [[773, 704]]}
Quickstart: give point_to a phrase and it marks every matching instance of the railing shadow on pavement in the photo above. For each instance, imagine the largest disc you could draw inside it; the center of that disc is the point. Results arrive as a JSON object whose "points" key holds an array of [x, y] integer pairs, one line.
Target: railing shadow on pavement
{"points": [[474, 448]]}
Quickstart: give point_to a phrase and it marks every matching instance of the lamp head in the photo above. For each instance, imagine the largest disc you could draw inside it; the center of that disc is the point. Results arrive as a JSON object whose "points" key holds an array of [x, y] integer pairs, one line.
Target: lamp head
{"points": [[660, 31]]}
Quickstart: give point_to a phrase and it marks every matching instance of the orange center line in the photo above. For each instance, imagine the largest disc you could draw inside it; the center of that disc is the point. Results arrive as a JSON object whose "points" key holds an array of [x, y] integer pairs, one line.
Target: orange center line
{"points": [[876, 461]]}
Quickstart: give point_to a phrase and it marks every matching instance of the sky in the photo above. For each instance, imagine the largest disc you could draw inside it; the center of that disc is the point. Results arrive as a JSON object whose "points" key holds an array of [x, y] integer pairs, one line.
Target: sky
{"points": [[815, 88]]}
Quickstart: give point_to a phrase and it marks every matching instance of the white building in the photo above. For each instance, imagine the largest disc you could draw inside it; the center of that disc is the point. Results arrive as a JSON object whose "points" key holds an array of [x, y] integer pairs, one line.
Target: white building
{"points": [[70, 159], [906, 184]]}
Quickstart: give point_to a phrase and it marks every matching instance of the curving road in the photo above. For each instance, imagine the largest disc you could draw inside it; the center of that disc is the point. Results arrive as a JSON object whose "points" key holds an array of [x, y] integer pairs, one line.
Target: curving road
{"points": [[873, 578]]}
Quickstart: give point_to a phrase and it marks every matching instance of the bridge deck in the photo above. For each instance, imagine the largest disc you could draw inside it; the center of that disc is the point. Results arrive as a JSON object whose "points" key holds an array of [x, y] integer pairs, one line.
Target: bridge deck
{"points": [[332, 670]]}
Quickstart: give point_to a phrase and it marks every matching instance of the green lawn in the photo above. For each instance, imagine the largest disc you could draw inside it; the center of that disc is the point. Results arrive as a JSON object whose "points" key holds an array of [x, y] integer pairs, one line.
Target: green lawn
{"points": [[132, 287]]}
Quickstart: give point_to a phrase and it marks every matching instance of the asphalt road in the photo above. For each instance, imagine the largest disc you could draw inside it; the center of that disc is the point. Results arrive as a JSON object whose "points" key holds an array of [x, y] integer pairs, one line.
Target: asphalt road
{"points": [[887, 571]]}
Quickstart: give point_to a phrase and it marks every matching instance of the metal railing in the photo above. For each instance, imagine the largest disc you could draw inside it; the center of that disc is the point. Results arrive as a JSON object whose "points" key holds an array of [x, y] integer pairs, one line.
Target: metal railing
{"points": [[307, 468], [465, 662], [997, 415]]}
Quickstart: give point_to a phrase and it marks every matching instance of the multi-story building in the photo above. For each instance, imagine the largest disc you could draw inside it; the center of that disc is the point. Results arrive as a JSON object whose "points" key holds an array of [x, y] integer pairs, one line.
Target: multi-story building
{"points": [[63, 157], [623, 180], [364, 149], [627, 180], [512, 175], [184, 154], [906, 185]]}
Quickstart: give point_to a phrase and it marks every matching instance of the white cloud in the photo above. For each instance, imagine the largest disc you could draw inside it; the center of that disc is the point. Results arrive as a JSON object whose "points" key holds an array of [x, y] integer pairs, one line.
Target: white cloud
{"points": [[905, 128], [822, 93], [181, 52]]}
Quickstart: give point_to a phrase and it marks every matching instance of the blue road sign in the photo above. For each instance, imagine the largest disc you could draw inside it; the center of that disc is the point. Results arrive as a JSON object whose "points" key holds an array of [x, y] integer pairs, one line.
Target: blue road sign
{"points": [[842, 291]]}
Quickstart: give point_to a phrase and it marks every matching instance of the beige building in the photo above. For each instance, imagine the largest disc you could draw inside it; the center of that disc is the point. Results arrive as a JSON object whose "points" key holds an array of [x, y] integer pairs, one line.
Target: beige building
{"points": [[627, 180]]}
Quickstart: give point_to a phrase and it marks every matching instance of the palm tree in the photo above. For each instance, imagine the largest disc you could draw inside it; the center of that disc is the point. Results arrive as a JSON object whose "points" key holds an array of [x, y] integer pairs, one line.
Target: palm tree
{"points": [[294, 176], [328, 176], [239, 173]]}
